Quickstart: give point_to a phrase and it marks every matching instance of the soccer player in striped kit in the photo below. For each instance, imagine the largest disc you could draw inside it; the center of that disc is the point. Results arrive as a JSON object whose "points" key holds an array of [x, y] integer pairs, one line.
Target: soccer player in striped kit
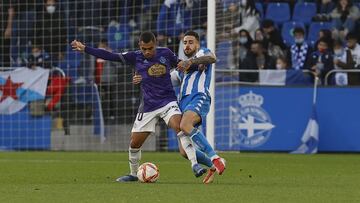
{"points": [[194, 98]]}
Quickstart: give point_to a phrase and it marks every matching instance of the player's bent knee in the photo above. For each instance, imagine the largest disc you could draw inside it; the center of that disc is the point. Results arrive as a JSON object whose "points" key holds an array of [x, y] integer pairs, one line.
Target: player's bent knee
{"points": [[185, 126]]}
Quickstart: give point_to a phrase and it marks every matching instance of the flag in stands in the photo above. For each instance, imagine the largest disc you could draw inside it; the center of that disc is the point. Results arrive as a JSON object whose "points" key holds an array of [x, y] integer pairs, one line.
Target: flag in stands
{"points": [[20, 86], [310, 138], [283, 77]]}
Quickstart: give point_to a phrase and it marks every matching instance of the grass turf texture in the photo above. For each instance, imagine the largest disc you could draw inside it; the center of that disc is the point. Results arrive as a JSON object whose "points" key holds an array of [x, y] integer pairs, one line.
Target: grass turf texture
{"points": [[249, 177]]}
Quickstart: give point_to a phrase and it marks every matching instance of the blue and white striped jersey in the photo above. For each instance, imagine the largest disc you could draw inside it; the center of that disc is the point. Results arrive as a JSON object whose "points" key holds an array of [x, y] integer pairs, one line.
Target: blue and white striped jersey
{"points": [[194, 81]]}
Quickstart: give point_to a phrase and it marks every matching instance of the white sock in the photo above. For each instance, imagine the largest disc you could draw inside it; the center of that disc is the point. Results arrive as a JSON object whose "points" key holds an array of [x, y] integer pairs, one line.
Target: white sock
{"points": [[134, 158], [188, 147]]}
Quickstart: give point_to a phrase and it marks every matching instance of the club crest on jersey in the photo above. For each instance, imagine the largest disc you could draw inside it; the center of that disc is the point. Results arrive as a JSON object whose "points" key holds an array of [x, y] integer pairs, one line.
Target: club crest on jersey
{"points": [[250, 125], [162, 60], [157, 70]]}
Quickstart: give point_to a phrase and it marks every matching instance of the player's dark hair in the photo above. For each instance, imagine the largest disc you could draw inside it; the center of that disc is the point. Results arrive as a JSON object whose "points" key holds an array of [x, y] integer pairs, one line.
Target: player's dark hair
{"points": [[194, 34], [147, 37]]}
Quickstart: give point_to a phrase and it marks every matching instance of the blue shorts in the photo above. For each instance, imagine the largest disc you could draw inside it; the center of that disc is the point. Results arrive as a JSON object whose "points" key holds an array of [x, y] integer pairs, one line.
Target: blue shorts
{"points": [[198, 103]]}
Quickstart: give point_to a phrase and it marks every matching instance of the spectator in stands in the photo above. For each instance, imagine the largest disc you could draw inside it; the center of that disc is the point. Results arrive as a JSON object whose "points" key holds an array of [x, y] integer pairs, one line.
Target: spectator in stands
{"points": [[6, 21], [260, 36], [22, 30], [106, 77], [276, 44], [173, 20], [282, 64], [248, 17], [343, 18], [321, 60], [300, 51], [326, 35], [256, 59], [325, 7], [262, 59], [38, 58], [51, 30], [242, 46], [343, 60], [354, 47]]}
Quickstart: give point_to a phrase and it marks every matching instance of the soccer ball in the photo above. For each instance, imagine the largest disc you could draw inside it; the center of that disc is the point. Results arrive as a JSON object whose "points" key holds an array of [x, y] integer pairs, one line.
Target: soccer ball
{"points": [[148, 173]]}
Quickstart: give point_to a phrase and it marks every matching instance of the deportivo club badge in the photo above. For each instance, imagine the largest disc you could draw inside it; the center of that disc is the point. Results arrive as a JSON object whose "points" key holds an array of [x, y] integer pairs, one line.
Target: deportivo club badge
{"points": [[250, 125]]}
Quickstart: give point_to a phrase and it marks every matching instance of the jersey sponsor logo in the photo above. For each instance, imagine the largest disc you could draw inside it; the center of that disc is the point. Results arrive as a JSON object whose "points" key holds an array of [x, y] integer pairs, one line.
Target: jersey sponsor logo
{"points": [[157, 70], [250, 125]]}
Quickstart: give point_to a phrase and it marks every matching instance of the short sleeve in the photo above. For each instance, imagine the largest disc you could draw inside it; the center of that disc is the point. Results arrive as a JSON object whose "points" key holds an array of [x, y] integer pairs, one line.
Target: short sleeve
{"points": [[203, 52]]}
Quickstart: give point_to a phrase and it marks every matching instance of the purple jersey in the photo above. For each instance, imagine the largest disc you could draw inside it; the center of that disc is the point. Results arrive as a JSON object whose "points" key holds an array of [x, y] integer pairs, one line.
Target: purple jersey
{"points": [[156, 86]]}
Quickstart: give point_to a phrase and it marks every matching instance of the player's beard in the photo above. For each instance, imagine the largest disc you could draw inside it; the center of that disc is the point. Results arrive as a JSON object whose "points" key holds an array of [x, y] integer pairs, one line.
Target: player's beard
{"points": [[189, 54]]}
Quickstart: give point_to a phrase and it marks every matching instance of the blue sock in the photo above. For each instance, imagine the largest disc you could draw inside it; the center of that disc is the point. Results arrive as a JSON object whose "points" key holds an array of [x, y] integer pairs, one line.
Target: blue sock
{"points": [[200, 140], [203, 159]]}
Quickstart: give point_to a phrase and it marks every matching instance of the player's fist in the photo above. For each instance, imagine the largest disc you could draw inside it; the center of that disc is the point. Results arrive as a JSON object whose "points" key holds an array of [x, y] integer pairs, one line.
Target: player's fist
{"points": [[136, 79], [184, 65], [77, 46]]}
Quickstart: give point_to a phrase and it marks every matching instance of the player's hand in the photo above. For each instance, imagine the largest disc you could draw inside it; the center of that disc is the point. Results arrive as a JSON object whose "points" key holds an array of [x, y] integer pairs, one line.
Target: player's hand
{"points": [[184, 65], [77, 46], [137, 79]]}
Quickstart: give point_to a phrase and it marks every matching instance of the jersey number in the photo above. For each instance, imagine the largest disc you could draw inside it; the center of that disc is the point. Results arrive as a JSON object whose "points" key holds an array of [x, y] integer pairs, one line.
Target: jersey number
{"points": [[140, 116]]}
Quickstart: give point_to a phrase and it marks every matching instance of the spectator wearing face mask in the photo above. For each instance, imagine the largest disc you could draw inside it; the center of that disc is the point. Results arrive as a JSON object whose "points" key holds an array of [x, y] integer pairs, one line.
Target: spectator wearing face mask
{"points": [[300, 51], [321, 60], [51, 30], [343, 60], [242, 46], [38, 58]]}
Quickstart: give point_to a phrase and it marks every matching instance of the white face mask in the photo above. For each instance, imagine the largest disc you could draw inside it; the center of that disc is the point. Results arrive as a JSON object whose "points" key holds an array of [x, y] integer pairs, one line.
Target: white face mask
{"points": [[243, 40], [338, 52], [50, 9], [279, 66], [299, 40], [36, 54]]}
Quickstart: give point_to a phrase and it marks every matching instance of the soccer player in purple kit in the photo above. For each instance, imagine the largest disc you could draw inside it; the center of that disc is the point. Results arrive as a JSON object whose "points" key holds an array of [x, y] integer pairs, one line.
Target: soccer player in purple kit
{"points": [[158, 99]]}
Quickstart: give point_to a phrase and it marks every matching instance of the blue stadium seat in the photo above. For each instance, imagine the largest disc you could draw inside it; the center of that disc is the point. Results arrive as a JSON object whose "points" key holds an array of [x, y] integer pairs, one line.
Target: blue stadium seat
{"points": [[118, 36], [314, 29], [287, 31], [278, 12], [304, 12], [260, 8]]}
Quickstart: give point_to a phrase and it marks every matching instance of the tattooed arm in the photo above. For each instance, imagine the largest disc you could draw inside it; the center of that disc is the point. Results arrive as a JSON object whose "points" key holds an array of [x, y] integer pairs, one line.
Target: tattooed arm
{"points": [[201, 61]]}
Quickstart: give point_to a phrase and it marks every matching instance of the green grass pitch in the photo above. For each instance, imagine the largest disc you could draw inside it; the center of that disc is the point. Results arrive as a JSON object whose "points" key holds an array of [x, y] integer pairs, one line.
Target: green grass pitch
{"points": [[249, 177]]}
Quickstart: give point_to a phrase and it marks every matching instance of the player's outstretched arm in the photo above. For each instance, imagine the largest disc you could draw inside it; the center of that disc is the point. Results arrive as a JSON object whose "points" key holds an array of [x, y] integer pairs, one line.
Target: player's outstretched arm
{"points": [[201, 61], [99, 53]]}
